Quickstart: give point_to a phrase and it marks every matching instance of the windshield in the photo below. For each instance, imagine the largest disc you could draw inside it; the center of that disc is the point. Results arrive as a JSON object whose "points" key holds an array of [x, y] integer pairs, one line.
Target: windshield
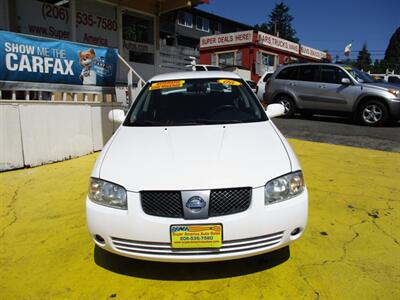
{"points": [[195, 102], [361, 77]]}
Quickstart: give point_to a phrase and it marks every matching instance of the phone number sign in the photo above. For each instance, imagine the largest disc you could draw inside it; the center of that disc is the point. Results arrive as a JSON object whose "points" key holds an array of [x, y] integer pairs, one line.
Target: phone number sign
{"points": [[45, 19]]}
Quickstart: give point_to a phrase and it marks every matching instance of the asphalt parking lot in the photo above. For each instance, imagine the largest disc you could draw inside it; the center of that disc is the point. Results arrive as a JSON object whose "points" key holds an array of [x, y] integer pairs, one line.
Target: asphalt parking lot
{"points": [[341, 131], [350, 249]]}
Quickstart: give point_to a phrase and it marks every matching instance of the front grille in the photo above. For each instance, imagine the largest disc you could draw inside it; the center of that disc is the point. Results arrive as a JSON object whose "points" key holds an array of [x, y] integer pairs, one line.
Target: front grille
{"points": [[222, 202], [229, 201], [231, 246], [162, 203]]}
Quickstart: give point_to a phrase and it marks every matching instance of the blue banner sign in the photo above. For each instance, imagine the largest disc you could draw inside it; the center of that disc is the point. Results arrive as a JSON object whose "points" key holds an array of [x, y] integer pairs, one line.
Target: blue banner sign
{"points": [[35, 59]]}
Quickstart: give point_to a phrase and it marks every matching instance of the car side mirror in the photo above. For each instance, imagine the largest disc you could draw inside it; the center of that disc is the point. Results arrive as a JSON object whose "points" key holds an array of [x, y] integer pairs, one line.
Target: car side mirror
{"points": [[346, 81], [116, 115], [275, 110]]}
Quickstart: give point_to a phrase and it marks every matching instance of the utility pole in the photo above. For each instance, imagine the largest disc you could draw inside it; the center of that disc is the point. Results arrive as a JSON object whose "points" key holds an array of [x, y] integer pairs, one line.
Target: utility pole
{"points": [[276, 33]]}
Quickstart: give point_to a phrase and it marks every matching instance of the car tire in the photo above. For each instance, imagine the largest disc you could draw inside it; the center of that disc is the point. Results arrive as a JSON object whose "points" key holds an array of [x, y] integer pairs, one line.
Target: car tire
{"points": [[288, 103], [373, 113]]}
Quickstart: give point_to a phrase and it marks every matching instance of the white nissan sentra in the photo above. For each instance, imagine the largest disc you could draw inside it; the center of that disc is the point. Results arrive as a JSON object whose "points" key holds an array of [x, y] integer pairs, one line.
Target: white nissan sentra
{"points": [[196, 172]]}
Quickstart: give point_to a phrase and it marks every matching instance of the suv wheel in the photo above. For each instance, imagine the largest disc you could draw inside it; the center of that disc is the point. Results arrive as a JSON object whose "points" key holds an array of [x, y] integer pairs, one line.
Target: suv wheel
{"points": [[287, 103], [373, 113]]}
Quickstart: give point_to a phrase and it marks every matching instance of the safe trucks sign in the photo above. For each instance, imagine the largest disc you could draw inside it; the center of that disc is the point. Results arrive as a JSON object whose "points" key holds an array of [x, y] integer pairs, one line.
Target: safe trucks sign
{"points": [[34, 59]]}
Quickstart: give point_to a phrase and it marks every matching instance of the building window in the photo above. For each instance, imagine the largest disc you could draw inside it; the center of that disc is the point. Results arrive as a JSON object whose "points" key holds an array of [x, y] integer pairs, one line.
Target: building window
{"points": [[185, 19], [215, 27], [141, 57], [268, 59], [202, 24], [218, 28], [226, 59], [137, 29], [138, 36]]}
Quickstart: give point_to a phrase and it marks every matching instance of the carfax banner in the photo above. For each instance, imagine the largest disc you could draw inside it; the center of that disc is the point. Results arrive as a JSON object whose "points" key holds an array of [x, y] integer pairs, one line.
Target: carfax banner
{"points": [[35, 59]]}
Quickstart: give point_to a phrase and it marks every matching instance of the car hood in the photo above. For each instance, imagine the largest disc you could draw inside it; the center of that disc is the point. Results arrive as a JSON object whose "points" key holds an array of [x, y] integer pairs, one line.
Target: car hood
{"points": [[195, 157]]}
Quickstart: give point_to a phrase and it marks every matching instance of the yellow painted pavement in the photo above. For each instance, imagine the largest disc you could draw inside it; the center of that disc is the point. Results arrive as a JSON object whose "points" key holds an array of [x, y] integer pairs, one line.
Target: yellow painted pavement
{"points": [[351, 249]]}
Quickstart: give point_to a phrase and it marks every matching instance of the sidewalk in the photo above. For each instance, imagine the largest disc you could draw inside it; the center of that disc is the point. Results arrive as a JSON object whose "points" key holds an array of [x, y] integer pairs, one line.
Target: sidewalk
{"points": [[351, 248]]}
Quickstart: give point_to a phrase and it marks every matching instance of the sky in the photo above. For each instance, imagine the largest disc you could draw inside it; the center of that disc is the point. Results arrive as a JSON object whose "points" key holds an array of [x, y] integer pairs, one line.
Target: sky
{"points": [[324, 25]]}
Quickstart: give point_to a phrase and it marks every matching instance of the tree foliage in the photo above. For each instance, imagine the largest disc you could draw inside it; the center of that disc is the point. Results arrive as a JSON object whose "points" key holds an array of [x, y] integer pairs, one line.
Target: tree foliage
{"points": [[379, 67], [280, 22], [392, 53], [364, 59]]}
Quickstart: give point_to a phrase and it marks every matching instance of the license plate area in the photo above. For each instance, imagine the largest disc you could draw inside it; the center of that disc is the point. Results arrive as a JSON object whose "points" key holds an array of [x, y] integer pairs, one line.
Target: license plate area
{"points": [[196, 236]]}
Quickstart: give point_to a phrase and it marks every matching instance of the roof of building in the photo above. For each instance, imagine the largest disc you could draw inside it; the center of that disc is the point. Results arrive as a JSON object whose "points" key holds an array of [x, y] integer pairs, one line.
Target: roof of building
{"points": [[194, 75], [211, 15]]}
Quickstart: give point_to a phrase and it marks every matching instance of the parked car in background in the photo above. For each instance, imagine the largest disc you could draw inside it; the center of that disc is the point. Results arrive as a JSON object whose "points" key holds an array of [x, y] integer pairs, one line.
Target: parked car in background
{"points": [[252, 85], [333, 89], [389, 78], [377, 78], [262, 82], [196, 172], [204, 68]]}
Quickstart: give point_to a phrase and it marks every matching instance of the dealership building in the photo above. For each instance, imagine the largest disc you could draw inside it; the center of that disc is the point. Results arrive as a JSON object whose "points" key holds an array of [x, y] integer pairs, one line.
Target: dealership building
{"points": [[154, 36], [255, 52]]}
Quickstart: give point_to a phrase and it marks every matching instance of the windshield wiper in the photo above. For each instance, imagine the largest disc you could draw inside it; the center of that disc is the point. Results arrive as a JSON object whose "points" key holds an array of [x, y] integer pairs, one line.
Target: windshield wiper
{"points": [[184, 122], [229, 121], [147, 123], [209, 121]]}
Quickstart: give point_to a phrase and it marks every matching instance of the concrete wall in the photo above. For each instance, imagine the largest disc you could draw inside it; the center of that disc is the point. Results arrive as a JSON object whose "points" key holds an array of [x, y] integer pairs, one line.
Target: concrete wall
{"points": [[33, 133]]}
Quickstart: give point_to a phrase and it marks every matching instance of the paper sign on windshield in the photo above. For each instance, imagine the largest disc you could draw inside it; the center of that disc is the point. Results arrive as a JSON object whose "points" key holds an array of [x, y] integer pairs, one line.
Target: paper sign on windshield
{"points": [[167, 84], [229, 82]]}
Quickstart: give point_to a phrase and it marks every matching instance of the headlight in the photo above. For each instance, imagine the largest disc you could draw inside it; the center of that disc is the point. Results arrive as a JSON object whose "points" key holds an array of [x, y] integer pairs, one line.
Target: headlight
{"points": [[394, 92], [107, 193], [284, 188]]}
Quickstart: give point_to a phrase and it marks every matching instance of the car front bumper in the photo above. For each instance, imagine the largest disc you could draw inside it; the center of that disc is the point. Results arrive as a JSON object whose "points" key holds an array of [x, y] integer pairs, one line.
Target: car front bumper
{"points": [[260, 229], [394, 108]]}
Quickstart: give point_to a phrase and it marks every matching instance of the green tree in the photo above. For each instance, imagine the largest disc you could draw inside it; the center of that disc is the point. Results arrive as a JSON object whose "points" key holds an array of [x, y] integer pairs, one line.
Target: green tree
{"points": [[348, 62], [364, 59], [392, 53], [379, 67], [280, 23]]}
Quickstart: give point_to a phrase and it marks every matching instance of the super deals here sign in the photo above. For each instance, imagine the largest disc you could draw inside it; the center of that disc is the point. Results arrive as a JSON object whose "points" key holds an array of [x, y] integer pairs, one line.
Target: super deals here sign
{"points": [[28, 58]]}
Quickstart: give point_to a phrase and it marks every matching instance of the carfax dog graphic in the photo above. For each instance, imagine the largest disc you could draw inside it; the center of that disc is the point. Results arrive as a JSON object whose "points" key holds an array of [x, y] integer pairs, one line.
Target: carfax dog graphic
{"points": [[88, 74]]}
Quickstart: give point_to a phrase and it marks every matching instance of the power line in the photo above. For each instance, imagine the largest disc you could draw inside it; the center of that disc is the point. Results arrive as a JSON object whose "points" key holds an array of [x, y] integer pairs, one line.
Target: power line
{"points": [[375, 51]]}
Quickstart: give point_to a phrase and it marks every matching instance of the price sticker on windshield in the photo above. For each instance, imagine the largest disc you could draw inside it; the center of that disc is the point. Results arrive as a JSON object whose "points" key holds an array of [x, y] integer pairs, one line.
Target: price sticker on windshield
{"points": [[229, 82], [167, 84]]}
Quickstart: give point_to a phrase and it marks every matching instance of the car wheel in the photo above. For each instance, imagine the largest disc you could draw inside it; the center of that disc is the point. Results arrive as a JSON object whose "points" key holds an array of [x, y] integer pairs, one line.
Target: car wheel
{"points": [[288, 104], [373, 113]]}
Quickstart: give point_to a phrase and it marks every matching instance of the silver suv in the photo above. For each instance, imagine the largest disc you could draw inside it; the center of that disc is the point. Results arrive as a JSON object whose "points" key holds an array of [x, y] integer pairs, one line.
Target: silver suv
{"points": [[333, 89]]}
